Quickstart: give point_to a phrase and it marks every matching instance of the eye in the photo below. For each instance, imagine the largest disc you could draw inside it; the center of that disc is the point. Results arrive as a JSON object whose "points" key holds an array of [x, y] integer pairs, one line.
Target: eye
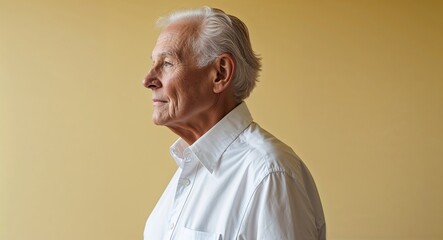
{"points": [[166, 64]]}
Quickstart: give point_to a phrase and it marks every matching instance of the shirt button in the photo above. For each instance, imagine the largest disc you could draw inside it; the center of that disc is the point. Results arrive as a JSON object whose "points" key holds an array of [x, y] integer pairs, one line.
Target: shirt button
{"points": [[171, 226], [186, 182]]}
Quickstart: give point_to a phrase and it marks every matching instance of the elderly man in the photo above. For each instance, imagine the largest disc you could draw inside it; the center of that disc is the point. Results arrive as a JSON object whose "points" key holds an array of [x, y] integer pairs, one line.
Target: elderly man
{"points": [[234, 179]]}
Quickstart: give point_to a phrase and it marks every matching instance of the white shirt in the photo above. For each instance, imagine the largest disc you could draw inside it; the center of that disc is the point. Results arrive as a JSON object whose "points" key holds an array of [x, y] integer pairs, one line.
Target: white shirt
{"points": [[237, 182]]}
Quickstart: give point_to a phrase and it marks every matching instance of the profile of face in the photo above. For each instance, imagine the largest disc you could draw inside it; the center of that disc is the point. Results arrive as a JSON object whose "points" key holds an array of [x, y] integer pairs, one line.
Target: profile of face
{"points": [[182, 92]]}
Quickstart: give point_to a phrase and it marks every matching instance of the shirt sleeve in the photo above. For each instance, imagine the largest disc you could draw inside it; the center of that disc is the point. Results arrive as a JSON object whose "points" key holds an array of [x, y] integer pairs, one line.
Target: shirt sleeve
{"points": [[282, 208]]}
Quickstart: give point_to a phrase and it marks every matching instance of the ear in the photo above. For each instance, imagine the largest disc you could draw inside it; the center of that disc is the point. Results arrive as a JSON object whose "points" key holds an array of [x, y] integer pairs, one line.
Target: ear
{"points": [[225, 66]]}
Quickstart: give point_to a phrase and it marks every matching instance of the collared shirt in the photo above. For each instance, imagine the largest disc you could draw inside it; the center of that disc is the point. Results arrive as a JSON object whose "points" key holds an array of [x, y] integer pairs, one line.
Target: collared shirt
{"points": [[237, 182]]}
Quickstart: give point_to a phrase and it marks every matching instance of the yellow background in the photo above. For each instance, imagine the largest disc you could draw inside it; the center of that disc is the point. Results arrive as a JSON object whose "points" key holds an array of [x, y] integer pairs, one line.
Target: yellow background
{"points": [[355, 87]]}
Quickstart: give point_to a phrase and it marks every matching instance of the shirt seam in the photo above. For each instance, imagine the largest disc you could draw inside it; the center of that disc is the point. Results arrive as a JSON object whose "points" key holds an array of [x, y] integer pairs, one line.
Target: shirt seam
{"points": [[267, 175]]}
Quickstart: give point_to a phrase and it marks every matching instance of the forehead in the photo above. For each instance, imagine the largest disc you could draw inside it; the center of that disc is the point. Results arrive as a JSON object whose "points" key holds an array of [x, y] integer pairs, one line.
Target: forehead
{"points": [[168, 44], [173, 40]]}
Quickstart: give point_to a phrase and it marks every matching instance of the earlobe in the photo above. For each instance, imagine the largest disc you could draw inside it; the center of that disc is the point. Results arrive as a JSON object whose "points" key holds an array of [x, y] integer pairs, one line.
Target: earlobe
{"points": [[225, 70]]}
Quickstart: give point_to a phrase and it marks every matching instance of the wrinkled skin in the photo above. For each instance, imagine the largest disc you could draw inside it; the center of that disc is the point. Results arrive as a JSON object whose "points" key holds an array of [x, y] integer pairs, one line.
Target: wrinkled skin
{"points": [[185, 96]]}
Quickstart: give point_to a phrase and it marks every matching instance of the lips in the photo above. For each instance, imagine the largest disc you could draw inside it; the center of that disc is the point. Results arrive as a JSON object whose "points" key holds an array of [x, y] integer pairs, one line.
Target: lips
{"points": [[157, 101]]}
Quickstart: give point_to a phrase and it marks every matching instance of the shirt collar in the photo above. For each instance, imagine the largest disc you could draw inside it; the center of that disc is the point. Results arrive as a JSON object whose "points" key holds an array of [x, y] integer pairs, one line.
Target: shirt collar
{"points": [[209, 147]]}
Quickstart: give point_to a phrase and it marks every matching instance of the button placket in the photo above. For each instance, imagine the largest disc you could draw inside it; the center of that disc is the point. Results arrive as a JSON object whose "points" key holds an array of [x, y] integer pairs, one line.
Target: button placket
{"points": [[184, 186]]}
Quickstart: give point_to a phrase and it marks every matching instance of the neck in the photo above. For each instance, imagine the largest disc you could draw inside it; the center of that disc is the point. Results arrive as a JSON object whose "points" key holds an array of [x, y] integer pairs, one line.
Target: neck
{"points": [[198, 126]]}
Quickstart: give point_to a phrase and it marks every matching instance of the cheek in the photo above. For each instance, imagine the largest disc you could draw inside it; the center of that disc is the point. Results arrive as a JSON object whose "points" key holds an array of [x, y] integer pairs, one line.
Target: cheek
{"points": [[175, 92], [187, 89]]}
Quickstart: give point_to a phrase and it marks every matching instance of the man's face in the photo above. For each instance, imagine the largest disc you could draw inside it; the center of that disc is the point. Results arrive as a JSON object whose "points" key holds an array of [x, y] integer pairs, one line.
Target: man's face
{"points": [[182, 92]]}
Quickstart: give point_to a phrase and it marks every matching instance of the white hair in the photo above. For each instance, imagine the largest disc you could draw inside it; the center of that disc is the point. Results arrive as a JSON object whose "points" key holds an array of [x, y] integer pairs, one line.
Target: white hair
{"points": [[220, 33]]}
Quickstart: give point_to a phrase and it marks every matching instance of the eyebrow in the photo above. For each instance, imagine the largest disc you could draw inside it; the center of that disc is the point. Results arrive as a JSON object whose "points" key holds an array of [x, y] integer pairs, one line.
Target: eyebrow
{"points": [[165, 54]]}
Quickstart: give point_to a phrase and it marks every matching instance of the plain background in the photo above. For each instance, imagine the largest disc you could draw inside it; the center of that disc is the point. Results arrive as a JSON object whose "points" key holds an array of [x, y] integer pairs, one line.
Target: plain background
{"points": [[355, 87]]}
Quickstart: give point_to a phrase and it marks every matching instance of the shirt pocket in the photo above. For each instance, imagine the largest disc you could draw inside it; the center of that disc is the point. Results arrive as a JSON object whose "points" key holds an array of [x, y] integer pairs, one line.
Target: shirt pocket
{"points": [[188, 234]]}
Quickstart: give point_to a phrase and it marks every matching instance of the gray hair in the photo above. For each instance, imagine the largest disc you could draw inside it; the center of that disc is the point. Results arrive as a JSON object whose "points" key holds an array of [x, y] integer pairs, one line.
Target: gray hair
{"points": [[221, 33]]}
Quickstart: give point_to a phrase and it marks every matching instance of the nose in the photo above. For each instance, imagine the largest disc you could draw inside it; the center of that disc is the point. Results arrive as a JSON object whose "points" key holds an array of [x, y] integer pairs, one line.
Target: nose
{"points": [[151, 80]]}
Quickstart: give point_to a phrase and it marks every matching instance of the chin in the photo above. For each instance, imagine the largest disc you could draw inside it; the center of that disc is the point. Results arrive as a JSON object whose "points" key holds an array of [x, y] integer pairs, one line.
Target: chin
{"points": [[158, 120]]}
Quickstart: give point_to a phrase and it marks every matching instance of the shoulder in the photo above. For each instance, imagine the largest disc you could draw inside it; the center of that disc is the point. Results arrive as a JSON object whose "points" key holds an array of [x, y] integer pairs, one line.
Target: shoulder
{"points": [[284, 194], [266, 154]]}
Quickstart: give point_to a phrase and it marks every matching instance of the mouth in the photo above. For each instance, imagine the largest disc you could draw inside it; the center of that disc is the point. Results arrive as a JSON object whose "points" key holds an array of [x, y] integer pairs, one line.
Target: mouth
{"points": [[156, 101]]}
